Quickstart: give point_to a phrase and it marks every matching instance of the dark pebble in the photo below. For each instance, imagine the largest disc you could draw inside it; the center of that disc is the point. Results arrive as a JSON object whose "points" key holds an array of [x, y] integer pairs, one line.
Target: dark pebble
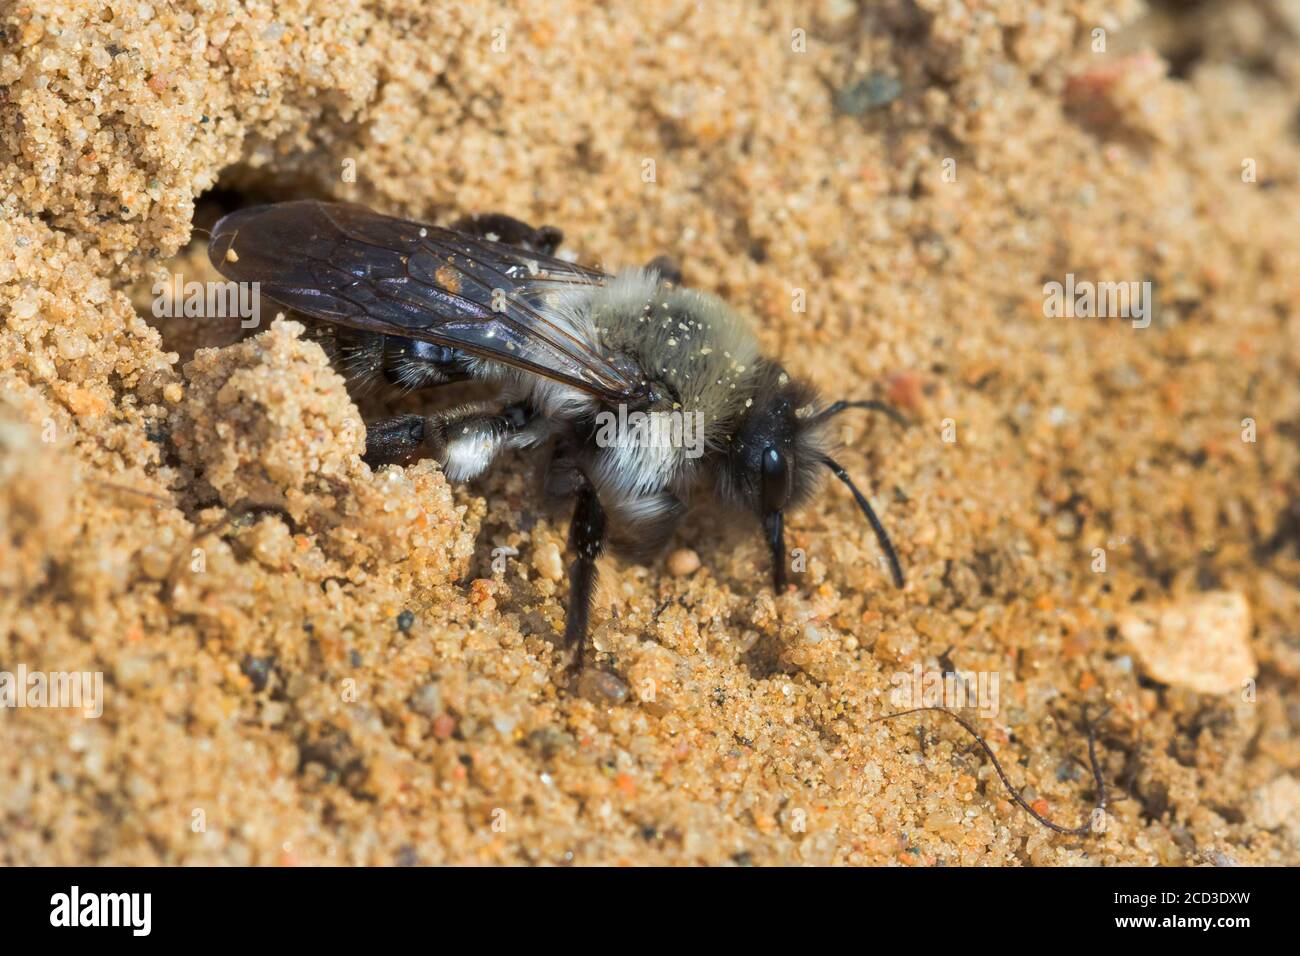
{"points": [[257, 670], [867, 94]]}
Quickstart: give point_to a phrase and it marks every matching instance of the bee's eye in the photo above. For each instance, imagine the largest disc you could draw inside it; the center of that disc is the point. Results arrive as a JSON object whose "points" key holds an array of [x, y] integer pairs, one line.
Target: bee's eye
{"points": [[775, 480]]}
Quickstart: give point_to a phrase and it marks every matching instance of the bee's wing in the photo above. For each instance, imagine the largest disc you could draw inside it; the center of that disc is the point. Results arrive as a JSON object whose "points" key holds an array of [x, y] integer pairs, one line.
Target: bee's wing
{"points": [[344, 264]]}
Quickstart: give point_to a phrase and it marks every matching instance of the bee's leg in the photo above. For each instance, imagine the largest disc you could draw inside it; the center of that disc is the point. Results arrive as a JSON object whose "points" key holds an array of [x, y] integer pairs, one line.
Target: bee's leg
{"points": [[400, 440], [499, 227], [465, 441], [586, 541], [668, 269], [564, 478]]}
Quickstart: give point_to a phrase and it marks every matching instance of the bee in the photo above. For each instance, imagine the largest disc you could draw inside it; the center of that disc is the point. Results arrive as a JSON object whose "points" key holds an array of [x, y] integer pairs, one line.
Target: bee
{"points": [[649, 395]]}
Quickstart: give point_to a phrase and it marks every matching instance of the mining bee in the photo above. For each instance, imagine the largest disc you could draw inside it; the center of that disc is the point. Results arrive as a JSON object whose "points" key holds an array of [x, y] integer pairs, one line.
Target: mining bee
{"points": [[648, 394]]}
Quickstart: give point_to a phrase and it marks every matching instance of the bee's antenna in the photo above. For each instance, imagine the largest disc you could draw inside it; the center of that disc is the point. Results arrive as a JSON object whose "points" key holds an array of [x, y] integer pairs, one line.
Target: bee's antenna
{"points": [[834, 409], [881, 534]]}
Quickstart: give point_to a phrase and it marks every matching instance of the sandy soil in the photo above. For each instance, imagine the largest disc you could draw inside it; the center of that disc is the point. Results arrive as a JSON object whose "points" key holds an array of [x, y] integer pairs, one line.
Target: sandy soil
{"points": [[307, 663]]}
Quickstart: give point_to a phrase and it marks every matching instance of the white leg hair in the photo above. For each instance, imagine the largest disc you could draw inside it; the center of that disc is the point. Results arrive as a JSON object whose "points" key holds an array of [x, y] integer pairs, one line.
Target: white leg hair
{"points": [[464, 440], [477, 434]]}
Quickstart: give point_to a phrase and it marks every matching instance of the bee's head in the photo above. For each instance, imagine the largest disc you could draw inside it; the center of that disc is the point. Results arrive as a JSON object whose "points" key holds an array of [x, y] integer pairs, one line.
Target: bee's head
{"points": [[774, 453], [775, 458]]}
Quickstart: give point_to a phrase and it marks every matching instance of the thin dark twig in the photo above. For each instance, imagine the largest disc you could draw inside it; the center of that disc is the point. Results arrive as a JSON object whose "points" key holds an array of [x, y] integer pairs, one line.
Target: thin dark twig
{"points": [[1083, 829], [127, 489]]}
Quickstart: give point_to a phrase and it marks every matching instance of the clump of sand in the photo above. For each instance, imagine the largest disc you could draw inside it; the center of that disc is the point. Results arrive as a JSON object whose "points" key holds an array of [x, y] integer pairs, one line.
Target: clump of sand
{"points": [[306, 661]]}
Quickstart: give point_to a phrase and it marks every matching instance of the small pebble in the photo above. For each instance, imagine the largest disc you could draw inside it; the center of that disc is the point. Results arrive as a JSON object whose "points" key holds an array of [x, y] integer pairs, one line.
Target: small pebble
{"points": [[682, 562], [444, 725], [155, 562], [547, 561], [257, 670], [406, 856], [602, 685], [871, 93], [427, 701], [505, 725], [1201, 642]]}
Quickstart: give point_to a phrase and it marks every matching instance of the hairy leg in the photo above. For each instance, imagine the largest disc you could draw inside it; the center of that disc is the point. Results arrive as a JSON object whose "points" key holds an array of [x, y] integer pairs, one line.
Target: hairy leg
{"points": [[587, 537], [465, 440], [669, 270], [586, 542]]}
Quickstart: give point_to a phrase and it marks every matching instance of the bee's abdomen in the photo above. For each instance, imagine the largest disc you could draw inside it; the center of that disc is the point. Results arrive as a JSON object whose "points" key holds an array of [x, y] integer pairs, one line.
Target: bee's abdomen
{"points": [[413, 364], [365, 356]]}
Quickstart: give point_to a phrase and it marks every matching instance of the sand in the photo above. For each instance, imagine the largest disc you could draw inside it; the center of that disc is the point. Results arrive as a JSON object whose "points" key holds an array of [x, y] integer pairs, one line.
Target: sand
{"points": [[307, 662]]}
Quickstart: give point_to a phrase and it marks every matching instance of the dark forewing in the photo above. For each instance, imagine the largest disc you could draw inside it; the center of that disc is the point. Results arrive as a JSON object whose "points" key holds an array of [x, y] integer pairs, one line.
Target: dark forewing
{"points": [[347, 265]]}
